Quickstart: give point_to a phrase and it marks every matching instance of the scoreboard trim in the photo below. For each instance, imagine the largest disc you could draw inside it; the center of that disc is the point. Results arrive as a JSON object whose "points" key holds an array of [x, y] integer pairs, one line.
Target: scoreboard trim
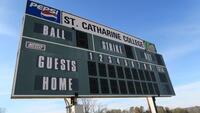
{"points": [[13, 95], [18, 55], [85, 96]]}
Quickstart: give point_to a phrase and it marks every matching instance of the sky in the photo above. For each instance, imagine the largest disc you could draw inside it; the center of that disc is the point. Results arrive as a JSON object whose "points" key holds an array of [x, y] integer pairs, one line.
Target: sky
{"points": [[172, 25]]}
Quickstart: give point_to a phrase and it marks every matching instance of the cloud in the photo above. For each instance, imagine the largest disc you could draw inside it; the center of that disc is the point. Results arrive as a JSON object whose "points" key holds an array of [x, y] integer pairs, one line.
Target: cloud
{"points": [[4, 93], [179, 40], [9, 19], [37, 105], [181, 50], [7, 31], [6, 78]]}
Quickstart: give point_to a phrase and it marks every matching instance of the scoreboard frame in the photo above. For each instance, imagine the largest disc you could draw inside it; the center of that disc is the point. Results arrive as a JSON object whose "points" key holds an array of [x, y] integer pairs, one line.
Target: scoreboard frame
{"points": [[112, 49]]}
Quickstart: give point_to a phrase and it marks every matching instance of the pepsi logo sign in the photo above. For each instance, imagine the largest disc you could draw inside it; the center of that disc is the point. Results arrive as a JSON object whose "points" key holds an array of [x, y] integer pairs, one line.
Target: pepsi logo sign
{"points": [[43, 11]]}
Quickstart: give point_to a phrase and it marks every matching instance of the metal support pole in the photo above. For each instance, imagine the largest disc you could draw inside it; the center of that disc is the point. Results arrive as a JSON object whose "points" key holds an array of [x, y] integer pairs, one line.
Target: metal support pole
{"points": [[68, 105], [72, 107], [152, 104], [70, 102]]}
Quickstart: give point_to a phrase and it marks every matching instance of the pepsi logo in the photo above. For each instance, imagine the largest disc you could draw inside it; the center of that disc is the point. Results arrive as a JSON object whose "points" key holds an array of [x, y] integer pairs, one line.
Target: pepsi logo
{"points": [[45, 11]]}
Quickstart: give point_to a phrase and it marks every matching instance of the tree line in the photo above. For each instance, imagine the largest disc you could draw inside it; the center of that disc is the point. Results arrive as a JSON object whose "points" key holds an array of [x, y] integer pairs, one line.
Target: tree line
{"points": [[91, 106]]}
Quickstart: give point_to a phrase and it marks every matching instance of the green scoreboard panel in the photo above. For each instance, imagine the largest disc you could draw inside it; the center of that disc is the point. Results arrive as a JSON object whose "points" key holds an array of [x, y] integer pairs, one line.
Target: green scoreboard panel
{"points": [[73, 56]]}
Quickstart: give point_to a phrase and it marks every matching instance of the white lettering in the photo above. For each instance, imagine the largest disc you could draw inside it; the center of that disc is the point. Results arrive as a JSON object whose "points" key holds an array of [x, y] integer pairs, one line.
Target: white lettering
{"points": [[118, 62], [125, 63], [91, 57], [45, 30], [63, 34], [62, 62], [52, 33], [33, 4], [150, 67], [109, 59], [53, 83], [132, 63], [103, 45], [145, 67], [117, 48], [138, 65], [56, 64], [100, 58], [41, 62], [111, 47], [41, 7], [120, 49], [49, 62], [62, 84], [58, 33], [107, 45], [45, 83], [73, 63], [70, 84], [68, 65]]}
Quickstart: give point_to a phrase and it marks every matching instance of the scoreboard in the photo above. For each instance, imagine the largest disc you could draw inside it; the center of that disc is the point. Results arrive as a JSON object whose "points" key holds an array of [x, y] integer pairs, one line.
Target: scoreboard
{"points": [[64, 55]]}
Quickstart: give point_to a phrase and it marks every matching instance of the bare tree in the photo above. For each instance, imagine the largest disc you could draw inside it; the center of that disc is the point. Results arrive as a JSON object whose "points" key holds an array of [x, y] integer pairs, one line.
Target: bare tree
{"points": [[125, 111], [114, 111], [100, 109], [161, 109], [88, 104], [137, 110], [168, 110], [141, 109], [179, 110], [131, 110], [91, 106]]}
